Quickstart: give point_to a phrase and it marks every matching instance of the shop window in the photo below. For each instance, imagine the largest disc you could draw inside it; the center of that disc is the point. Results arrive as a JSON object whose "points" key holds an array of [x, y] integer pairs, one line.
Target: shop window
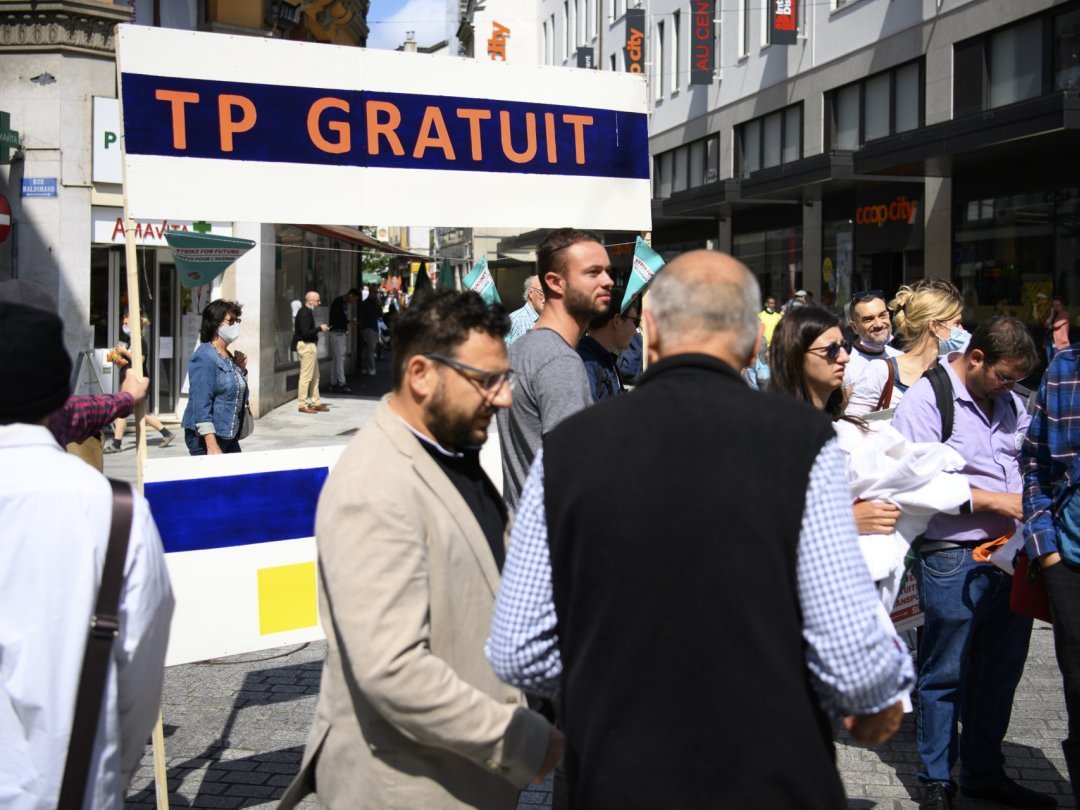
{"points": [[769, 141], [877, 107], [666, 169], [774, 257]]}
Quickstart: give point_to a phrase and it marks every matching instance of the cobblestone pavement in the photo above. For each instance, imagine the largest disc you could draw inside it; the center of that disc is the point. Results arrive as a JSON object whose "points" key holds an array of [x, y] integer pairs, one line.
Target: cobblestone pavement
{"points": [[235, 731]]}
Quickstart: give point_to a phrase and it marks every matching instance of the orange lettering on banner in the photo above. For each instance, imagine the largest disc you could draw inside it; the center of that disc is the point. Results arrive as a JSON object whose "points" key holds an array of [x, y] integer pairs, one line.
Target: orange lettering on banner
{"points": [[549, 132], [578, 122], [178, 98], [386, 129], [635, 39], [530, 138], [226, 125], [475, 117], [433, 120], [344, 141]]}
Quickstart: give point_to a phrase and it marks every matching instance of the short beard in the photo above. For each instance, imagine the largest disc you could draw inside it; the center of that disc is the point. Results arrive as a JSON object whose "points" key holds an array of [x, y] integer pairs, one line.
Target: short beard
{"points": [[452, 433], [581, 307]]}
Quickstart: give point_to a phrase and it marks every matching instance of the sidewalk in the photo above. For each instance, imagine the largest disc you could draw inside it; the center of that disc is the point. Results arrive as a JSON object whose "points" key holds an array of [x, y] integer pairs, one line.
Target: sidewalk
{"points": [[284, 427]]}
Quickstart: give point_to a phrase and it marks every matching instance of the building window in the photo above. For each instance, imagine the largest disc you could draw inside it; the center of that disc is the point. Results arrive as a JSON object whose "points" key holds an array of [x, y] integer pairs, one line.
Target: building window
{"points": [[570, 10], [744, 28], [769, 141], [686, 167], [566, 19], [1016, 63], [677, 59], [881, 105], [661, 83], [545, 41]]}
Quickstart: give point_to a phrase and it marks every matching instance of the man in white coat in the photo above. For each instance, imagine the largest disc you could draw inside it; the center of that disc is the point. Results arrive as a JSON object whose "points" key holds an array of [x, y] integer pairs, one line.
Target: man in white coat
{"points": [[56, 513]]}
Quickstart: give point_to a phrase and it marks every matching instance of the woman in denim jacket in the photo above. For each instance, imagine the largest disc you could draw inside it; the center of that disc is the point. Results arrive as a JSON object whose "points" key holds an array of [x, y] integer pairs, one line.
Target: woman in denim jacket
{"points": [[218, 392]]}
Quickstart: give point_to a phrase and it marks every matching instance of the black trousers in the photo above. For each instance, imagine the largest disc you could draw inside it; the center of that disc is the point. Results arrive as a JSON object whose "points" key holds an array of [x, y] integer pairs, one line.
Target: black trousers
{"points": [[1063, 587]]}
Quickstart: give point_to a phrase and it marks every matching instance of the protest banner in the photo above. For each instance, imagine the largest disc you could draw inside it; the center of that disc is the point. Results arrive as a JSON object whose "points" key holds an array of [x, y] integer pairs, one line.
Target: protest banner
{"points": [[263, 130]]}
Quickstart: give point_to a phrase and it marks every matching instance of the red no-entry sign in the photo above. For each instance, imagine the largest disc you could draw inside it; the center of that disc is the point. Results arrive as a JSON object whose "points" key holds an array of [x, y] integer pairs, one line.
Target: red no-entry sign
{"points": [[5, 218]]}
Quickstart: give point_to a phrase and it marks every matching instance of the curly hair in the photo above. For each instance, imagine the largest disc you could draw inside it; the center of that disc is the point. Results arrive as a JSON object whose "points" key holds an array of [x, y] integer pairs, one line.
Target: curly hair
{"points": [[914, 308], [440, 322]]}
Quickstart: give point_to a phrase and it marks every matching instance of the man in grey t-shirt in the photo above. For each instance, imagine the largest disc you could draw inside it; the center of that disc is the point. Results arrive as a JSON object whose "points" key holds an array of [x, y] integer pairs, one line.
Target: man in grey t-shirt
{"points": [[574, 271]]}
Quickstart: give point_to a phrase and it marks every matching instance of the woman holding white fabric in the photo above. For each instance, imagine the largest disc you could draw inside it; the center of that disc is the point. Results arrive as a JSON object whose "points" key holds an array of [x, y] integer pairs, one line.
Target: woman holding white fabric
{"points": [[928, 317], [896, 485]]}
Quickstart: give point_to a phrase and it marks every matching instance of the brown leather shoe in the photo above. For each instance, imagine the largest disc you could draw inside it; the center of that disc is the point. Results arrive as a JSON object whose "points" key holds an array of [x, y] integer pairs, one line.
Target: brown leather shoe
{"points": [[321, 407], [307, 409]]}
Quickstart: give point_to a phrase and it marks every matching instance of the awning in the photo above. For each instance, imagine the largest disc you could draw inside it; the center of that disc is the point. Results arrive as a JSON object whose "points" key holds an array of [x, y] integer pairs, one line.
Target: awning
{"points": [[357, 237]]}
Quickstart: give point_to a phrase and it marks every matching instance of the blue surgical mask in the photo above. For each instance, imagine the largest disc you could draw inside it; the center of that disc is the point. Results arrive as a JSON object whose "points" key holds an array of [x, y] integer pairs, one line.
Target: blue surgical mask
{"points": [[956, 342]]}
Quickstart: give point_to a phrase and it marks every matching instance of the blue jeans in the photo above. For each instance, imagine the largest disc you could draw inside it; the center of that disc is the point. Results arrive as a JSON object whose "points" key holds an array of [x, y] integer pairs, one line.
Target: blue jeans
{"points": [[971, 658]]}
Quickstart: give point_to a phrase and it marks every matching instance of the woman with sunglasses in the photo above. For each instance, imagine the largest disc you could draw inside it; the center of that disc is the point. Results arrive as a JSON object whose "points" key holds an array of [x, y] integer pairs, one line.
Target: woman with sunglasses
{"points": [[928, 319], [807, 356]]}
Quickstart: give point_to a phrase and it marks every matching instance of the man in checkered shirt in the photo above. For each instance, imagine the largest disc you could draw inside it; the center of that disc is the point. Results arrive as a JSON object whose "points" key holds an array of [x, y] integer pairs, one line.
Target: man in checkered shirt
{"points": [[697, 608]]}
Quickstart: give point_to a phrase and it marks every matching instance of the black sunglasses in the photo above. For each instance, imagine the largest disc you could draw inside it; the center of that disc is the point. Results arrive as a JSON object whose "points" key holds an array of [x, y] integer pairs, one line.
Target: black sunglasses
{"points": [[865, 294], [490, 381], [832, 351]]}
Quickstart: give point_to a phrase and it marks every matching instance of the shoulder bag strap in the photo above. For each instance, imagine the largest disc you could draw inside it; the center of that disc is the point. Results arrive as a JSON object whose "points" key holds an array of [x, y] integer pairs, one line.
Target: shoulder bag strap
{"points": [[886, 393], [943, 393], [104, 628]]}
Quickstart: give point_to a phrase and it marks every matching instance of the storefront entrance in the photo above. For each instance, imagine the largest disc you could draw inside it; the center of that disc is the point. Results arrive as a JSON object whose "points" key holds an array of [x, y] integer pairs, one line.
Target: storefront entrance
{"points": [[160, 303]]}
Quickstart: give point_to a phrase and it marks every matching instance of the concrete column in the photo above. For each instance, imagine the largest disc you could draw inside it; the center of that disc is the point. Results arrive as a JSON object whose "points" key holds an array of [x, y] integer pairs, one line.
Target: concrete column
{"points": [[723, 234], [812, 248], [252, 284], [937, 227]]}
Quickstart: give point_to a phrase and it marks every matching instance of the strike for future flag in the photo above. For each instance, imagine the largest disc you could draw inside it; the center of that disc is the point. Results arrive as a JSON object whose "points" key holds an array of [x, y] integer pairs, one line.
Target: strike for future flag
{"points": [[647, 263], [480, 282]]}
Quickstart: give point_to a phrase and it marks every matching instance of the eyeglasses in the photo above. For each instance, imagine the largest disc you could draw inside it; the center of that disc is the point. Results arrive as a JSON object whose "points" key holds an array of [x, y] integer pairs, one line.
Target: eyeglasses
{"points": [[537, 290], [636, 320], [1005, 380], [865, 294], [832, 351], [490, 381]]}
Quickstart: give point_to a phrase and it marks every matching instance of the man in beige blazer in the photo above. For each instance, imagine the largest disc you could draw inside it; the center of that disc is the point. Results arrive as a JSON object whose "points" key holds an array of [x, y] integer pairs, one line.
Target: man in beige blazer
{"points": [[410, 534]]}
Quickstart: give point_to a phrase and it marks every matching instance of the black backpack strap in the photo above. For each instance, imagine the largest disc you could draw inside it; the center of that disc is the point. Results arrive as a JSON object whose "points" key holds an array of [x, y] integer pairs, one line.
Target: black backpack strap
{"points": [[104, 628], [943, 393]]}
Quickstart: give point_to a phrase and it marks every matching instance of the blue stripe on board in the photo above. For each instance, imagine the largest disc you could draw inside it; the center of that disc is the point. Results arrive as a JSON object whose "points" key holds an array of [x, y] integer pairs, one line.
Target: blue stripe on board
{"points": [[235, 510], [615, 144]]}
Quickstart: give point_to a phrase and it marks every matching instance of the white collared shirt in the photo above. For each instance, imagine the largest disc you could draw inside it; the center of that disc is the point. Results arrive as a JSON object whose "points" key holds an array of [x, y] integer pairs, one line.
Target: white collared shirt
{"points": [[56, 514]]}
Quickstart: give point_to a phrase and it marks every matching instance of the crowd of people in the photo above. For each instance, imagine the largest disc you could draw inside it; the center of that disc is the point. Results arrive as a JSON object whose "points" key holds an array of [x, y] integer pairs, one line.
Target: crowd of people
{"points": [[651, 600]]}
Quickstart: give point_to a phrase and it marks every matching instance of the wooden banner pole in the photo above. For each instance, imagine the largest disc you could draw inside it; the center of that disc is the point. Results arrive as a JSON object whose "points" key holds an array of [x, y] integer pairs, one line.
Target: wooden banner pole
{"points": [[134, 307]]}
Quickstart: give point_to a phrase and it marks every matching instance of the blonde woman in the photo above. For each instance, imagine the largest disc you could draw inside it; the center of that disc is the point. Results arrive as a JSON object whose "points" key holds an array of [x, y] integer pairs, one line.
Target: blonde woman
{"points": [[928, 317]]}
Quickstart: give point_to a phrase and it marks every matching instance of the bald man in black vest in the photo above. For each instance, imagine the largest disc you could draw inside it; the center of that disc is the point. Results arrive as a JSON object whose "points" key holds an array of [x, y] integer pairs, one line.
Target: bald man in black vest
{"points": [[698, 609]]}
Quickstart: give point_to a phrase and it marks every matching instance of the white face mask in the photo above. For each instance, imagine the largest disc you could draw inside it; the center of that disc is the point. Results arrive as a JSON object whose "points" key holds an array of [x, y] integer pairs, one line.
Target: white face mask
{"points": [[229, 332], [126, 330]]}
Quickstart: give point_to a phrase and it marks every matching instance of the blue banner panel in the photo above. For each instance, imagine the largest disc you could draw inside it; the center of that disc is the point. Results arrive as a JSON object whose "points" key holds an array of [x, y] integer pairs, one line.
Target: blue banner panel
{"points": [[197, 514], [179, 117]]}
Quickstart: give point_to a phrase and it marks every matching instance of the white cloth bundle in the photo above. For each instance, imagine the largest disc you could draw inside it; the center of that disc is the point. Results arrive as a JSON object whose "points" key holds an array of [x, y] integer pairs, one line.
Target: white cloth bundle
{"points": [[922, 478]]}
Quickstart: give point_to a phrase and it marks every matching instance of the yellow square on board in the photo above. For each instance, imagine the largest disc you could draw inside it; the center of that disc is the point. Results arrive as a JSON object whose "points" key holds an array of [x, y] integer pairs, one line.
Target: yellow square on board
{"points": [[287, 598]]}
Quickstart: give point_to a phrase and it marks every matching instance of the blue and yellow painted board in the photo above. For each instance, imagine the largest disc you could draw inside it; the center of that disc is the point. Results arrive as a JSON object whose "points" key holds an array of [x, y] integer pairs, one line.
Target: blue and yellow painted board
{"points": [[238, 532]]}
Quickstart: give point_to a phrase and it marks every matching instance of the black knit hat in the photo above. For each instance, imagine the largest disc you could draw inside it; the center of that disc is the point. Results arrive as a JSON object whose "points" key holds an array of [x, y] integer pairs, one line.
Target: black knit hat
{"points": [[32, 352]]}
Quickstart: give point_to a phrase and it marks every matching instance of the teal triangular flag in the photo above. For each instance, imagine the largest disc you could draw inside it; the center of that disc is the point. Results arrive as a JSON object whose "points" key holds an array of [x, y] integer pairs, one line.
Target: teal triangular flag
{"points": [[480, 282], [202, 257], [446, 276], [647, 263]]}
